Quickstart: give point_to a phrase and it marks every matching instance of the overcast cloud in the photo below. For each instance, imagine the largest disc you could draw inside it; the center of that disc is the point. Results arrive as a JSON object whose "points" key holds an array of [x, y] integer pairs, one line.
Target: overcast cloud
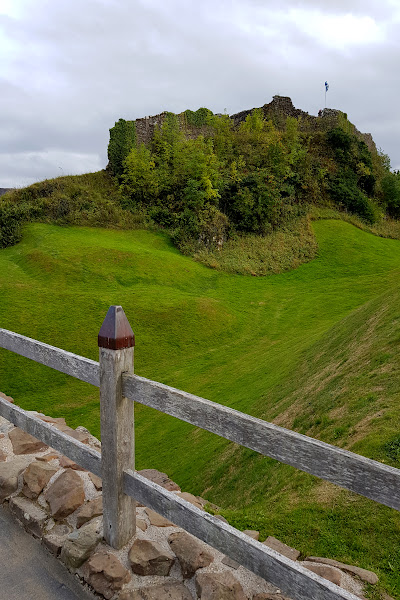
{"points": [[69, 69]]}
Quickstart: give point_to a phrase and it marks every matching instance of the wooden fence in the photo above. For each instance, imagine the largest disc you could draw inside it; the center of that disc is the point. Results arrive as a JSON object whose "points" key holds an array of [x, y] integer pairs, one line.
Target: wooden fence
{"points": [[120, 388]]}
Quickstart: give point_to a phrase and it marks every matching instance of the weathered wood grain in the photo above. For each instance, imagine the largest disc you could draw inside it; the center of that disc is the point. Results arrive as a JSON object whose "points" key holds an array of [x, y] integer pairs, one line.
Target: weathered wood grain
{"points": [[72, 364], [346, 469], [118, 450], [351, 471], [293, 579], [80, 453]]}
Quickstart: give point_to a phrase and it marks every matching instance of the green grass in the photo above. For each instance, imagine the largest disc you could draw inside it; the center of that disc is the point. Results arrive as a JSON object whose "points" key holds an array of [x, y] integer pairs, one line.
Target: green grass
{"points": [[91, 199], [251, 254], [314, 349]]}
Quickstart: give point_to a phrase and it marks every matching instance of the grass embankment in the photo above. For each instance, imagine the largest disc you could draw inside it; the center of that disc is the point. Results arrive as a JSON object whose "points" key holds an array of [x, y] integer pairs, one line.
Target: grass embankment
{"points": [[95, 200], [314, 349], [90, 199]]}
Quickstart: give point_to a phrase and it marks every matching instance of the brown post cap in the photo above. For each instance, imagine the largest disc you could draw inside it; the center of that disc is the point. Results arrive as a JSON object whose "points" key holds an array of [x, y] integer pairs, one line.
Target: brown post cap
{"points": [[116, 333]]}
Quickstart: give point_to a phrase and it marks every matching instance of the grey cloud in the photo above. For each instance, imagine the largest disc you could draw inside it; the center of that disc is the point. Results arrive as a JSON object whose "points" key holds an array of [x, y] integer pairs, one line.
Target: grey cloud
{"points": [[75, 68], [355, 7]]}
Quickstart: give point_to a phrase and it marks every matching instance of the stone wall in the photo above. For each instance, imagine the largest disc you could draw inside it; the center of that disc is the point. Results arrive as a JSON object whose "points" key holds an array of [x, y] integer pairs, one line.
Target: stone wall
{"points": [[278, 110], [144, 128], [60, 503]]}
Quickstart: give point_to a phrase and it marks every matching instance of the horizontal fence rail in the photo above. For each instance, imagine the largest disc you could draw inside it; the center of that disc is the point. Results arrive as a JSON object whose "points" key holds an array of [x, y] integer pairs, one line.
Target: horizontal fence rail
{"points": [[351, 471], [354, 472], [66, 362], [80, 453], [288, 575]]}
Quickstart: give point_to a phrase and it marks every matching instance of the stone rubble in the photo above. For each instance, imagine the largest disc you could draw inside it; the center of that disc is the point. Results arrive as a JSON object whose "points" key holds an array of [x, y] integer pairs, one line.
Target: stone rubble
{"points": [[161, 479], [92, 508], [156, 519], [80, 544], [282, 548], [96, 481], [9, 473], [65, 495], [367, 576], [330, 573], [218, 586], [36, 477], [54, 540], [8, 398], [31, 516], [192, 554], [59, 502], [165, 591], [150, 558], [105, 573], [24, 443]]}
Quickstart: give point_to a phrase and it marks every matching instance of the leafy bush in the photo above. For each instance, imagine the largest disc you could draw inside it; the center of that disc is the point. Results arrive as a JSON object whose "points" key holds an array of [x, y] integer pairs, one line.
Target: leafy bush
{"points": [[391, 193], [341, 142], [122, 140], [198, 118], [11, 220], [139, 178], [392, 449], [254, 178], [344, 191]]}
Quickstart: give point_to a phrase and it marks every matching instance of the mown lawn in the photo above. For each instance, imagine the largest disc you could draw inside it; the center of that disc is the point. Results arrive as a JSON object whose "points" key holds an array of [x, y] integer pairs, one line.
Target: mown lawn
{"points": [[298, 348]]}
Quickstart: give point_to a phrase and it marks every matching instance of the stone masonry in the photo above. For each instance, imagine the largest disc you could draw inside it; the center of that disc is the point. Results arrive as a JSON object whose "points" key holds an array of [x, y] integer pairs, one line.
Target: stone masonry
{"points": [[61, 504], [278, 110]]}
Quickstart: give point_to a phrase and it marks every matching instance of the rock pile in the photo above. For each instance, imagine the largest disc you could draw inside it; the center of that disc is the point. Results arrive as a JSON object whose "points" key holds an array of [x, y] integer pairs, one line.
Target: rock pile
{"points": [[60, 503]]}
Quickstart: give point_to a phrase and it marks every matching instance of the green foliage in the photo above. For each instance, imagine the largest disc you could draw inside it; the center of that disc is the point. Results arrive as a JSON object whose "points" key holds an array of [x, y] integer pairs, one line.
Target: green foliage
{"points": [[341, 142], [122, 139], [198, 118], [347, 195], [392, 449], [352, 187], [344, 123], [254, 178], [177, 181], [259, 175], [391, 193], [257, 205], [12, 217], [91, 199], [258, 255], [139, 178], [254, 122]]}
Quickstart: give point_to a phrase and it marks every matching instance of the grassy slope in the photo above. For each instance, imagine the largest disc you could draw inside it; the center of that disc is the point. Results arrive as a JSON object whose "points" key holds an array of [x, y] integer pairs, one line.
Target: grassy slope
{"points": [[251, 343]]}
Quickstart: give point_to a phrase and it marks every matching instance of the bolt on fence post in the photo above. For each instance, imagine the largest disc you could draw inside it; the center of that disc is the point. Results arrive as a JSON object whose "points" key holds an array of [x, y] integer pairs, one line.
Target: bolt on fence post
{"points": [[116, 342]]}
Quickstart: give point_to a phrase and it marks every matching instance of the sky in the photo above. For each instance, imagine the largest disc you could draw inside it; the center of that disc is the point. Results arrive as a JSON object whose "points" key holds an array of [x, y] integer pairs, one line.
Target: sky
{"points": [[69, 69]]}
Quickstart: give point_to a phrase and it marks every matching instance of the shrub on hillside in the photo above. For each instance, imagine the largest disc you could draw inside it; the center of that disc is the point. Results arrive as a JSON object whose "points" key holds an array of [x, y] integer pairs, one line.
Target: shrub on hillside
{"points": [[122, 140], [347, 195], [391, 193], [11, 219]]}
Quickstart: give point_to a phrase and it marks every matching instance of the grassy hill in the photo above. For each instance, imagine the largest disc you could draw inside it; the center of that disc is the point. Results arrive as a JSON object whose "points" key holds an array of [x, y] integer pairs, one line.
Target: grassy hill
{"points": [[314, 349]]}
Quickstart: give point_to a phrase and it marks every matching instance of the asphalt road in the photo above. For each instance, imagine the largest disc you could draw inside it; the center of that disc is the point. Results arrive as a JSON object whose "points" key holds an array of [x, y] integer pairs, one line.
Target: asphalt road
{"points": [[28, 571]]}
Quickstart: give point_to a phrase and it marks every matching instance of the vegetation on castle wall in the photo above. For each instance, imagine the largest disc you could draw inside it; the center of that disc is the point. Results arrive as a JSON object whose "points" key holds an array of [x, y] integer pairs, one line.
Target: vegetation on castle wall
{"points": [[198, 118], [255, 178], [122, 139]]}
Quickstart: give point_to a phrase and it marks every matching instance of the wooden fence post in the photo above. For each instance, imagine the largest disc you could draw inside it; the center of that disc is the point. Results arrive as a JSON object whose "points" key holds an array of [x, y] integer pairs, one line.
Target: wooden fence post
{"points": [[116, 342]]}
